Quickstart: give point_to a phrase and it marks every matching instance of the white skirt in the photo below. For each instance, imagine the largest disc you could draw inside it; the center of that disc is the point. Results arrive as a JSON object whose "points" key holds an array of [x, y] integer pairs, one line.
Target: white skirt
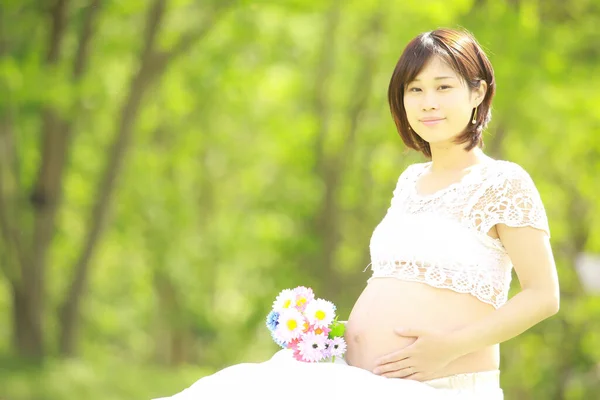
{"points": [[284, 378]]}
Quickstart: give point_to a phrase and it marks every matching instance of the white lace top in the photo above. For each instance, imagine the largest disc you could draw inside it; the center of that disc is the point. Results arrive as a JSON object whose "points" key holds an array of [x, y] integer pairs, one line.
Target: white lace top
{"points": [[442, 239]]}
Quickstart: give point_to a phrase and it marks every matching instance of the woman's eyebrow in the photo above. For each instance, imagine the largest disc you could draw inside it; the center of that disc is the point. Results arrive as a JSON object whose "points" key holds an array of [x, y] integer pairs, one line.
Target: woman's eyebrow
{"points": [[437, 78]]}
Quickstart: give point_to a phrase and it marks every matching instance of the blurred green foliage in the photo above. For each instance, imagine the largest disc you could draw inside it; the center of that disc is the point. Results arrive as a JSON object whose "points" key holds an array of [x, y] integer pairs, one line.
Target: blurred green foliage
{"points": [[220, 151]]}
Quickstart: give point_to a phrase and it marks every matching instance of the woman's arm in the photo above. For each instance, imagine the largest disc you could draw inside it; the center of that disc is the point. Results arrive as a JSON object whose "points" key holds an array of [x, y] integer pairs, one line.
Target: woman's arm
{"points": [[531, 254]]}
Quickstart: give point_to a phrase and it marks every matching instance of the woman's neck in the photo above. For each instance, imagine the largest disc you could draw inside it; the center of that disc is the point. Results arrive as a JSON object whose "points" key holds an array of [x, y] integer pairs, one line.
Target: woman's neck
{"points": [[455, 158]]}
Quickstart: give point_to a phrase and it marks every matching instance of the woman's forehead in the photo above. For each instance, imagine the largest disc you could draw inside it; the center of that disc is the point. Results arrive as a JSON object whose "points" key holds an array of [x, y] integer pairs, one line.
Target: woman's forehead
{"points": [[436, 68]]}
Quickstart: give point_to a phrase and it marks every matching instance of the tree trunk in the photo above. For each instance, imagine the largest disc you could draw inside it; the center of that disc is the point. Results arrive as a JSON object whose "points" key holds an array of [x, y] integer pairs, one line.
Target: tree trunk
{"points": [[152, 65], [28, 293], [149, 68], [27, 330], [332, 169]]}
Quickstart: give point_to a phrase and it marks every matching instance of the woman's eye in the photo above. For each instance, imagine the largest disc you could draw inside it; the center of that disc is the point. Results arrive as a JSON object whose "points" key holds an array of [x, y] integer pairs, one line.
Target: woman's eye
{"points": [[416, 89]]}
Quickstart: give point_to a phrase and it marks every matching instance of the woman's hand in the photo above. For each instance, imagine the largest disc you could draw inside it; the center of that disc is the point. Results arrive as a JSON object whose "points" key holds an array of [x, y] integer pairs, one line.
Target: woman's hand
{"points": [[431, 351]]}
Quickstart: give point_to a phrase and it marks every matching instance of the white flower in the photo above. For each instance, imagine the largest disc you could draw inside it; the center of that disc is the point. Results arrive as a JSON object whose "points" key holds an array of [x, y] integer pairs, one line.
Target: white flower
{"points": [[291, 324], [286, 299], [320, 313]]}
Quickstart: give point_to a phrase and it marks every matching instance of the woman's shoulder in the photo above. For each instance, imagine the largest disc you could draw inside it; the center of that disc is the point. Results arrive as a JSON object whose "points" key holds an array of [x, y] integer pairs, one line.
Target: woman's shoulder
{"points": [[501, 168], [494, 171], [507, 179], [418, 166], [510, 197], [506, 172], [413, 170]]}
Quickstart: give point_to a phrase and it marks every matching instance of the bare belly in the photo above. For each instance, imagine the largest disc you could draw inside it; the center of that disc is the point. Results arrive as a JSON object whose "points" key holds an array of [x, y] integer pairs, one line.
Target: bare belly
{"points": [[389, 303]]}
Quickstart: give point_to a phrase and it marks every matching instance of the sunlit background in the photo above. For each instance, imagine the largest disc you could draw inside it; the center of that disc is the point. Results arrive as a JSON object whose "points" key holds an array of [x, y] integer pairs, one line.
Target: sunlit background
{"points": [[168, 166]]}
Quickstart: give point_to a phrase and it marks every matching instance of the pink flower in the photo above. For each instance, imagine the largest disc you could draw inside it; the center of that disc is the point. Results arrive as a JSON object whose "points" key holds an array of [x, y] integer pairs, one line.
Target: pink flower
{"points": [[304, 296], [312, 346], [293, 344], [297, 355], [337, 347], [320, 330]]}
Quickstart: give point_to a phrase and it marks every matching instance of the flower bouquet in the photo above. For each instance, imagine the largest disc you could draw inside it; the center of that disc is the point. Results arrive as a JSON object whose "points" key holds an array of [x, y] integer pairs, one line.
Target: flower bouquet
{"points": [[306, 325]]}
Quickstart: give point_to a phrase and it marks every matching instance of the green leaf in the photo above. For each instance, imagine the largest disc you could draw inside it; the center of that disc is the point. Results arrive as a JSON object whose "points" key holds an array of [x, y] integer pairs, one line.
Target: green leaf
{"points": [[337, 330]]}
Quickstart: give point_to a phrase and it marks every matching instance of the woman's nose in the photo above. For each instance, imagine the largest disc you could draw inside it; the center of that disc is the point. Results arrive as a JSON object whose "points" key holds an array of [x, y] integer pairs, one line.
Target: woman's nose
{"points": [[430, 101]]}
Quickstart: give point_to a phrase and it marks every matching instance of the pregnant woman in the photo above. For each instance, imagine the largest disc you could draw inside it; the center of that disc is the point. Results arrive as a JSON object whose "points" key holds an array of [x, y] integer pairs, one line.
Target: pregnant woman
{"points": [[429, 322]]}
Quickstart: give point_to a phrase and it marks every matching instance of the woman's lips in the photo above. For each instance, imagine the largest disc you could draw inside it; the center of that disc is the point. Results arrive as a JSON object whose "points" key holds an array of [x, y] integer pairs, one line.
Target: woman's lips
{"points": [[432, 122]]}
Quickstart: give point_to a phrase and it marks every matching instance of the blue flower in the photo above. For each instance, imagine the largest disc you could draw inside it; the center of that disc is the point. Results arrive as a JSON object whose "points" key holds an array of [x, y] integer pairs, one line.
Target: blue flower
{"points": [[272, 320]]}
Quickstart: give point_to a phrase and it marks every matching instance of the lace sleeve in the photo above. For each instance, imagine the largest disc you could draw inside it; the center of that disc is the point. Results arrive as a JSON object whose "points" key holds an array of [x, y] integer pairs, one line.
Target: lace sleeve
{"points": [[511, 198], [401, 186]]}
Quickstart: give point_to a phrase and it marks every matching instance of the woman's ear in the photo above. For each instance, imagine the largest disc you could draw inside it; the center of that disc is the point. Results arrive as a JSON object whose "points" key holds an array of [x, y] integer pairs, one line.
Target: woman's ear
{"points": [[480, 93]]}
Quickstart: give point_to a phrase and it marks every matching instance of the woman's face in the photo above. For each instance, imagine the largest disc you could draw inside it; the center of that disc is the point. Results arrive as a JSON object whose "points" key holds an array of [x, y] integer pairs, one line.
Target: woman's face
{"points": [[439, 103]]}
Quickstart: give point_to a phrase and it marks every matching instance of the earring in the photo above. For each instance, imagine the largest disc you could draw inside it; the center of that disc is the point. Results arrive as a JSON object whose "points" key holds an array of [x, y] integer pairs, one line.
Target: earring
{"points": [[474, 117]]}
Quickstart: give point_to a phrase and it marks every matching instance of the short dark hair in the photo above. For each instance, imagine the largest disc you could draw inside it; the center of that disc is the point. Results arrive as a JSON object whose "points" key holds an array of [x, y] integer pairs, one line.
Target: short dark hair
{"points": [[460, 50]]}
